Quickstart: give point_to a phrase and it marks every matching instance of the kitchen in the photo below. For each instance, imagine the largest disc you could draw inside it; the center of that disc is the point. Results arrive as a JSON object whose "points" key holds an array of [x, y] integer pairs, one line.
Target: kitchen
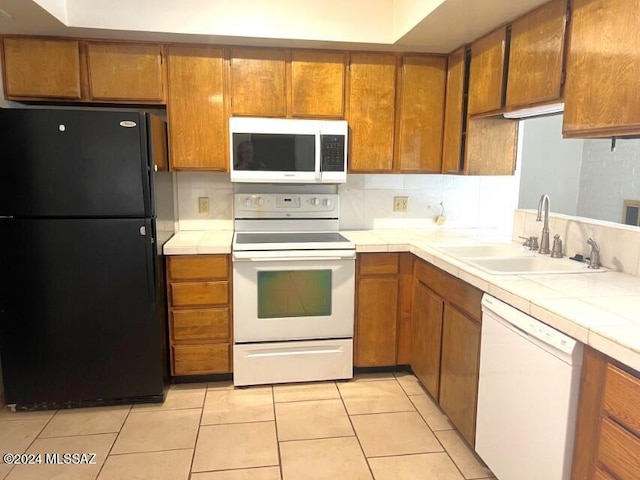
{"points": [[366, 202]]}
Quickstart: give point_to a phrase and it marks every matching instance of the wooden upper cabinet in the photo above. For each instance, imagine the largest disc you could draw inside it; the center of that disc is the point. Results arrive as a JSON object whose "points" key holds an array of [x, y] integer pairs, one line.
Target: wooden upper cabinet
{"points": [[125, 72], [454, 113], [198, 126], [536, 56], [371, 112], [258, 82], [602, 90], [317, 84], [486, 72], [41, 68], [492, 146], [421, 110]]}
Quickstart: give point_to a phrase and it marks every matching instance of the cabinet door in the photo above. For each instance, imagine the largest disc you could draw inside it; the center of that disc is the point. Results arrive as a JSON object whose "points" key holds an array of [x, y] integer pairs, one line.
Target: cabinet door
{"points": [[454, 113], [377, 314], [421, 110], [486, 72], [426, 326], [371, 112], [492, 145], [535, 55], [128, 72], [317, 84], [198, 126], [35, 68], [602, 91], [258, 82], [459, 371]]}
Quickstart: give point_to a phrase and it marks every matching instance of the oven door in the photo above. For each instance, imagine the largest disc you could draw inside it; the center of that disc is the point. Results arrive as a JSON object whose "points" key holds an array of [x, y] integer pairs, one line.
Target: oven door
{"points": [[293, 295]]}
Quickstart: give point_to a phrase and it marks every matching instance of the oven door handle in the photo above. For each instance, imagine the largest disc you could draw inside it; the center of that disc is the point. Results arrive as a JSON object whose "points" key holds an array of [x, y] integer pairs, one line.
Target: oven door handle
{"points": [[270, 257]]}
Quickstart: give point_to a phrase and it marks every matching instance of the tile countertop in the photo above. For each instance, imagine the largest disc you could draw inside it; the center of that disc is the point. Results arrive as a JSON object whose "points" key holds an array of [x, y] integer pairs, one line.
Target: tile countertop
{"points": [[599, 309]]}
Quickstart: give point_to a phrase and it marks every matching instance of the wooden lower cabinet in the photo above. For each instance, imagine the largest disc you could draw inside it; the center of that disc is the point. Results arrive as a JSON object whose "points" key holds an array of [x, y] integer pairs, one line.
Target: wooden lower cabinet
{"points": [[426, 329], [459, 368], [607, 444], [199, 296], [383, 309], [445, 351], [376, 309]]}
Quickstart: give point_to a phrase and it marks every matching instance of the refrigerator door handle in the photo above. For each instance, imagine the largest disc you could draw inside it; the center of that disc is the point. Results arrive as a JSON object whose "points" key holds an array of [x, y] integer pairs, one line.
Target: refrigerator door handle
{"points": [[151, 260]]}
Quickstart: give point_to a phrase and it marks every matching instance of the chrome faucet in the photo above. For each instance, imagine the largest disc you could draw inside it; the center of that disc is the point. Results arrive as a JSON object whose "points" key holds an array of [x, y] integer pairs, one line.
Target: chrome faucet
{"points": [[544, 240], [594, 256]]}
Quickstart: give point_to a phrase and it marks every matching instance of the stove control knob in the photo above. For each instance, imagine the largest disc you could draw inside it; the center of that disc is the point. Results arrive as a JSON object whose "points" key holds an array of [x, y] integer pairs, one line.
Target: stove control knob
{"points": [[315, 202], [326, 202], [247, 202], [260, 201]]}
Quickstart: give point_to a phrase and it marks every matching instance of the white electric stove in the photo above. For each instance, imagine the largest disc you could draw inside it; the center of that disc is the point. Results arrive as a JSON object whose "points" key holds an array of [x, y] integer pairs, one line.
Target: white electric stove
{"points": [[293, 290]]}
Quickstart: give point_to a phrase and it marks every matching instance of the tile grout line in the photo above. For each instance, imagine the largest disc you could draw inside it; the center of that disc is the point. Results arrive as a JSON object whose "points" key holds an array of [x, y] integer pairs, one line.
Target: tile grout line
{"points": [[114, 442], [195, 445], [355, 432], [275, 423], [34, 440]]}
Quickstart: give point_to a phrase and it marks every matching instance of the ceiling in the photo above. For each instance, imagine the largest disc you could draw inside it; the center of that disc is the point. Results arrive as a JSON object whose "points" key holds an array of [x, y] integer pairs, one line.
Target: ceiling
{"points": [[438, 26]]}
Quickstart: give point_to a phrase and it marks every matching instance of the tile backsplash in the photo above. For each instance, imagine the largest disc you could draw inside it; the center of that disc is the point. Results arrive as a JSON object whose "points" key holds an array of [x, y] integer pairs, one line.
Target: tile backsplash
{"points": [[619, 244], [366, 201]]}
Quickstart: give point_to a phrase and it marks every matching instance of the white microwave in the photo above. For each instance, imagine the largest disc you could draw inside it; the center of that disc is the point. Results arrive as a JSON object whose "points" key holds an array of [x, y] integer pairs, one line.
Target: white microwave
{"points": [[284, 150]]}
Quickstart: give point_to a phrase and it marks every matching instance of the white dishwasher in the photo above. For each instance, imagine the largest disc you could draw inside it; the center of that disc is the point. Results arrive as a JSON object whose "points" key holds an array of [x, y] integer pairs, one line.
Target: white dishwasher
{"points": [[527, 395]]}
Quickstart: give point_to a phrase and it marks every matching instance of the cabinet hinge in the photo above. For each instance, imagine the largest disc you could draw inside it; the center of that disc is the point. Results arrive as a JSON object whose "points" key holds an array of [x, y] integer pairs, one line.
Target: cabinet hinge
{"points": [[563, 77]]}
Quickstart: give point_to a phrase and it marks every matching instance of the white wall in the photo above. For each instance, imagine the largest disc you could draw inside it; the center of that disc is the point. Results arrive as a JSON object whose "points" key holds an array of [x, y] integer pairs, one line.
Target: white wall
{"points": [[608, 178], [329, 20], [549, 165], [366, 201]]}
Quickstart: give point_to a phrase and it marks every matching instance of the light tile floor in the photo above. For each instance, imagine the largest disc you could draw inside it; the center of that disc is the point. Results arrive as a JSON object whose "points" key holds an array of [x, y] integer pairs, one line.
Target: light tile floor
{"points": [[377, 426]]}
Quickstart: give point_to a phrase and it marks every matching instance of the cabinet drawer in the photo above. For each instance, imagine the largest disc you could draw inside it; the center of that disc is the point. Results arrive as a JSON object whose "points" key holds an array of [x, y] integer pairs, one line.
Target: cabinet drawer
{"points": [[200, 359], [457, 292], [202, 324], [622, 397], [199, 293], [198, 267], [619, 451], [378, 264]]}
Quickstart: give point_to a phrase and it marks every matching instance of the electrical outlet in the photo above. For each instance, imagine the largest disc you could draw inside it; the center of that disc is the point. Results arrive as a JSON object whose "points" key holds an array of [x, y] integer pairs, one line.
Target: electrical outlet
{"points": [[204, 205], [400, 204]]}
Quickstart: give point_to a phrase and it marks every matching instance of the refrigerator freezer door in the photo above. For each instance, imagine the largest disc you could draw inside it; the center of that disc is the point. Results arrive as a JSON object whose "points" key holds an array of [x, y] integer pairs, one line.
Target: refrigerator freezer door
{"points": [[73, 163], [78, 311]]}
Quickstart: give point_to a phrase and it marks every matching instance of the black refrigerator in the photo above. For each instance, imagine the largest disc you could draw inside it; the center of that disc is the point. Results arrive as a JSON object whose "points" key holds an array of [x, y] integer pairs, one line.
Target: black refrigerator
{"points": [[86, 204]]}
